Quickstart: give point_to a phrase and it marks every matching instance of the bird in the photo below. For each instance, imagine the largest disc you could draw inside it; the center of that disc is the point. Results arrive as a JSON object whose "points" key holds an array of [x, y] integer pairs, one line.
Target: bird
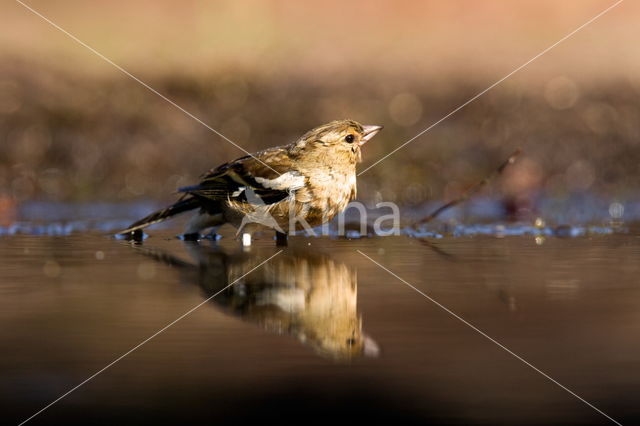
{"points": [[303, 293], [286, 188]]}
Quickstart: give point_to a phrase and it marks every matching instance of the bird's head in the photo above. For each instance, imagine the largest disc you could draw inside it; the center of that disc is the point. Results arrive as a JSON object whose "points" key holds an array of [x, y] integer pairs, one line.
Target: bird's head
{"points": [[338, 139]]}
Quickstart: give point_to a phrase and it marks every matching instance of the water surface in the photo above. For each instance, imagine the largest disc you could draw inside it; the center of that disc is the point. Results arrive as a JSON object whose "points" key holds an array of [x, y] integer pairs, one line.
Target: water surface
{"points": [[320, 334]]}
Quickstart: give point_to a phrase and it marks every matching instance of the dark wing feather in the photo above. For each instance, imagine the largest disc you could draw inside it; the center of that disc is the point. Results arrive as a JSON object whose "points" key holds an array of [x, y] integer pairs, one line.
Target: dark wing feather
{"points": [[231, 181]]}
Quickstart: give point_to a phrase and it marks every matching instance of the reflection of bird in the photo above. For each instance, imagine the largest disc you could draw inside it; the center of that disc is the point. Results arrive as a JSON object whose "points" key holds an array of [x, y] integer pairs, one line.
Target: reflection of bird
{"points": [[312, 179], [309, 296]]}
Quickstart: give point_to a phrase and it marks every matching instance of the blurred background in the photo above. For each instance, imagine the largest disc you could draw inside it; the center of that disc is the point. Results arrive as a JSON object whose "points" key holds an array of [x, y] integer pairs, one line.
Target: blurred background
{"points": [[73, 128]]}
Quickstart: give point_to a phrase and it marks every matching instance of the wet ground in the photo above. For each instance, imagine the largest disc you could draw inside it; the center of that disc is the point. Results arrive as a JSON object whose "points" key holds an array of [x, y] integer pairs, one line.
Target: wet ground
{"points": [[319, 333]]}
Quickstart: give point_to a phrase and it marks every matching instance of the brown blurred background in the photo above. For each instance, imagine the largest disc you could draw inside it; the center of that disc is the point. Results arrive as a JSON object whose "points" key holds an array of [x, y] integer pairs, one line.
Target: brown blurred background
{"points": [[74, 128]]}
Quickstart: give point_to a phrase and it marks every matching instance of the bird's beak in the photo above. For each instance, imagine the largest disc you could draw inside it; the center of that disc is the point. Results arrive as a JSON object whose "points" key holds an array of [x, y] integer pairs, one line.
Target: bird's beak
{"points": [[369, 132]]}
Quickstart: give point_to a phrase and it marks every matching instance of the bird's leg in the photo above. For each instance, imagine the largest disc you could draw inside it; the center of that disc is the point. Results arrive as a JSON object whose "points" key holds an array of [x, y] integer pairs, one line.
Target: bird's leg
{"points": [[281, 239], [136, 236], [199, 222]]}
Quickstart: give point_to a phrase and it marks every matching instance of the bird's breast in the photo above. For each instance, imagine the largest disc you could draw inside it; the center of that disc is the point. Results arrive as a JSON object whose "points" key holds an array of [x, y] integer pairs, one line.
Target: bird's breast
{"points": [[329, 194]]}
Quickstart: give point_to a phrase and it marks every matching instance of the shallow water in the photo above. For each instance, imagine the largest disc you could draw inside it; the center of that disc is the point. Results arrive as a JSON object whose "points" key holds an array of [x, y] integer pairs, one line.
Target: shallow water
{"points": [[319, 333]]}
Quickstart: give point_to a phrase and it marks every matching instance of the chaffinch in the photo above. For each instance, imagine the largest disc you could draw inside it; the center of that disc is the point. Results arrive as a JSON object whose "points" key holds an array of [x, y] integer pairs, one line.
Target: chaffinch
{"points": [[302, 293], [286, 188]]}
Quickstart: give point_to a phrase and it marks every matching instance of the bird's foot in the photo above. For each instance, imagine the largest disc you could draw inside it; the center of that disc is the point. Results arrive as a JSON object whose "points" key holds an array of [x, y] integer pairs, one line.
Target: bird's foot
{"points": [[193, 236], [281, 239], [136, 236]]}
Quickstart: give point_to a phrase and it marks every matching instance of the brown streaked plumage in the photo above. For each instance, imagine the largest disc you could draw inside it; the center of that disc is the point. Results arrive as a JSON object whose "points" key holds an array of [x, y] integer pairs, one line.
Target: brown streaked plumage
{"points": [[312, 179], [309, 296]]}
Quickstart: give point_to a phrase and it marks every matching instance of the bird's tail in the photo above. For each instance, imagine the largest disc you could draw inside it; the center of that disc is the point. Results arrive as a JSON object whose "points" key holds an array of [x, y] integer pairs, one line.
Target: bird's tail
{"points": [[183, 205]]}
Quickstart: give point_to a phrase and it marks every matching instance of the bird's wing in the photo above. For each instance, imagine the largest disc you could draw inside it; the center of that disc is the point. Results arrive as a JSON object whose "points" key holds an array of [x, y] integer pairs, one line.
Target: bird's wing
{"points": [[270, 176]]}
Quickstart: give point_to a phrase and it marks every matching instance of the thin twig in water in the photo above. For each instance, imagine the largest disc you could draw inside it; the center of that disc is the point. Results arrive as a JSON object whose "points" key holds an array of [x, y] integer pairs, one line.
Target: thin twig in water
{"points": [[471, 190], [437, 250]]}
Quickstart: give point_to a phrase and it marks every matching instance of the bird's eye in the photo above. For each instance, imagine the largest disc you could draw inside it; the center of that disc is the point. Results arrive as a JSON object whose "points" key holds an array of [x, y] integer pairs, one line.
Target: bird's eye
{"points": [[349, 138]]}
